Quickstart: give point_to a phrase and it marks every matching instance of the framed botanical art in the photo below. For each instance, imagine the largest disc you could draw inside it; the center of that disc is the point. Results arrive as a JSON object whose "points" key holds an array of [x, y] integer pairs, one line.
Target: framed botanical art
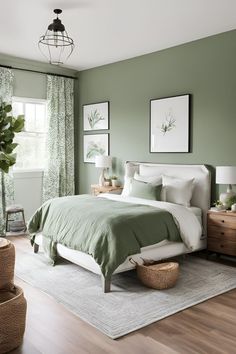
{"points": [[169, 124], [95, 145], [96, 116]]}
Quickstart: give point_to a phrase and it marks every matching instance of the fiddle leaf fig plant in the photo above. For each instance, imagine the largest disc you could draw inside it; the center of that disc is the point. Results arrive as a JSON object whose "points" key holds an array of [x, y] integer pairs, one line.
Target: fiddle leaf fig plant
{"points": [[9, 126]]}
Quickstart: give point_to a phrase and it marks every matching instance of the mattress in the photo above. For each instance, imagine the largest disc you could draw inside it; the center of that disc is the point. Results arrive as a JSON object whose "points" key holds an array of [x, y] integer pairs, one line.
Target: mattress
{"points": [[158, 251]]}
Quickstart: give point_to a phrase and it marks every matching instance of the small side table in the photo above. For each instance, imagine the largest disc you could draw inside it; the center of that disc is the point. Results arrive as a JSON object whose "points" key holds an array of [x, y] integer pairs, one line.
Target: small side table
{"points": [[11, 212], [96, 189], [221, 232]]}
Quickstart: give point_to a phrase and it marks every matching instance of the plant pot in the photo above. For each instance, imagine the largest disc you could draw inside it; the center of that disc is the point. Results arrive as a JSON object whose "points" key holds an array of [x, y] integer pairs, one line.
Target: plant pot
{"points": [[7, 263], [12, 313], [114, 182]]}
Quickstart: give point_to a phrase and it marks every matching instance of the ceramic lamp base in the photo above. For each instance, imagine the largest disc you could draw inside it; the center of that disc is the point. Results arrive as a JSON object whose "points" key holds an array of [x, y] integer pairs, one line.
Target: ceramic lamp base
{"points": [[226, 197], [101, 180]]}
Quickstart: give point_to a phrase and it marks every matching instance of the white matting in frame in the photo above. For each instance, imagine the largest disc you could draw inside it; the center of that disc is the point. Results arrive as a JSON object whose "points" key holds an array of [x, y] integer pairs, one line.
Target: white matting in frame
{"points": [[169, 124], [96, 116], [95, 145]]}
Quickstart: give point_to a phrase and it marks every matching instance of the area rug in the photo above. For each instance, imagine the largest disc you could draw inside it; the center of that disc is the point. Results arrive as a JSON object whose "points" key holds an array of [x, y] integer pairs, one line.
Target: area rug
{"points": [[130, 306]]}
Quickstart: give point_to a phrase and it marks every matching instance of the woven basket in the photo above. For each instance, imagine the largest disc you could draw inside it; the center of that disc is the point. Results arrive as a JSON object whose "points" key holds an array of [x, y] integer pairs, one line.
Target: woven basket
{"points": [[12, 319], [7, 264], [157, 276]]}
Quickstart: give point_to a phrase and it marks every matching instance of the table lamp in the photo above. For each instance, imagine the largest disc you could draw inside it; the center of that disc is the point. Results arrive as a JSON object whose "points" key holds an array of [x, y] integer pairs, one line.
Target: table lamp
{"points": [[226, 175], [103, 162]]}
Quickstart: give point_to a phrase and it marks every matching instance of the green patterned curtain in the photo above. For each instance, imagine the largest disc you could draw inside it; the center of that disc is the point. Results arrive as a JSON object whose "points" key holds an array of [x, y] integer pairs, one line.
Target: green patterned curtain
{"points": [[59, 174], [6, 180]]}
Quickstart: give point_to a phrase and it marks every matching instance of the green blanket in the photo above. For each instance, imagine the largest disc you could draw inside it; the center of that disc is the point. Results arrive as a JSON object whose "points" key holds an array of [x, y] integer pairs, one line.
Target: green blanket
{"points": [[108, 230]]}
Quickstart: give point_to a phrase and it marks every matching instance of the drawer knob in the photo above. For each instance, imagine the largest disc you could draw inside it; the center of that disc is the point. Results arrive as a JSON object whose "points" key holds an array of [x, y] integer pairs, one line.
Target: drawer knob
{"points": [[222, 221], [222, 246], [222, 233]]}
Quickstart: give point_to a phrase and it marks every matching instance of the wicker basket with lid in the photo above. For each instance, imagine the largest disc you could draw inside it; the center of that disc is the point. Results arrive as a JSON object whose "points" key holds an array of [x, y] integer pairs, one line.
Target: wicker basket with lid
{"points": [[157, 275]]}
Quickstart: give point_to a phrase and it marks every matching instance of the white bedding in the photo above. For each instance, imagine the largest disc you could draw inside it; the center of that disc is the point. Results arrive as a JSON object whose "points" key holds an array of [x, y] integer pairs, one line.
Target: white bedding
{"points": [[187, 222]]}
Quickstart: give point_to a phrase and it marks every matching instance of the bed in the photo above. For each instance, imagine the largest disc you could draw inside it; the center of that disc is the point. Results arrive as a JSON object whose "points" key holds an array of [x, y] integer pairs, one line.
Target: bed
{"points": [[193, 233]]}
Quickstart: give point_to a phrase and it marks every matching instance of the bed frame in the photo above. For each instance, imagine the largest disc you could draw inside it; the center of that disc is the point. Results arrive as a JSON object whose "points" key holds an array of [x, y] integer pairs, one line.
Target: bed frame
{"points": [[164, 249]]}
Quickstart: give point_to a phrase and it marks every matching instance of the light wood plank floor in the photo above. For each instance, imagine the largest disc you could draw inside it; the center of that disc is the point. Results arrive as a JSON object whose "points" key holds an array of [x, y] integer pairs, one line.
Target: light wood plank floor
{"points": [[208, 328]]}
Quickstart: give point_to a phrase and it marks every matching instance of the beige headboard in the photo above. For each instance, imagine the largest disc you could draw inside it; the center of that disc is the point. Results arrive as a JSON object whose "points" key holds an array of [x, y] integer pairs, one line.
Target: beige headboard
{"points": [[202, 180]]}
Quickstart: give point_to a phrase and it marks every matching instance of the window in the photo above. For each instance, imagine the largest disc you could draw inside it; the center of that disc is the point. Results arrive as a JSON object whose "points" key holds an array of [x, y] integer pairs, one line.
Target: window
{"points": [[31, 151]]}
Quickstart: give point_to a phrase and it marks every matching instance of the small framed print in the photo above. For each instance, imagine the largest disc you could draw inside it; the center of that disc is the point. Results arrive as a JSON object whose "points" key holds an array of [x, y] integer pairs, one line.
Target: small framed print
{"points": [[96, 116], [95, 145], [169, 124]]}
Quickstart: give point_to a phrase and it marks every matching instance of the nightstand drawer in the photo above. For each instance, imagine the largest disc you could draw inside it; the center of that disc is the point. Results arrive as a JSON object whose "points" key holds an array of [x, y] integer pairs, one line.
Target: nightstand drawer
{"points": [[222, 246], [222, 220], [221, 233]]}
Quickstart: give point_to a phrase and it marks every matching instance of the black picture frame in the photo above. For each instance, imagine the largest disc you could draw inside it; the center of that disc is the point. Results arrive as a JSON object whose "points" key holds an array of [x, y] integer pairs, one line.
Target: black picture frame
{"points": [[169, 125], [102, 109]]}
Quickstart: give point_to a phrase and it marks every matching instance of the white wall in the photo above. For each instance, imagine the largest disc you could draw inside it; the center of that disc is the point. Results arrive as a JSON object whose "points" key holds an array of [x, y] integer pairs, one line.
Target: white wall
{"points": [[28, 190]]}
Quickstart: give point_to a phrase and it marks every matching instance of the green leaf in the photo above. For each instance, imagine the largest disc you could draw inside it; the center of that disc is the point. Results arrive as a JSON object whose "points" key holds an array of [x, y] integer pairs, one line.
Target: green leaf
{"points": [[8, 108], [19, 124], [10, 148]]}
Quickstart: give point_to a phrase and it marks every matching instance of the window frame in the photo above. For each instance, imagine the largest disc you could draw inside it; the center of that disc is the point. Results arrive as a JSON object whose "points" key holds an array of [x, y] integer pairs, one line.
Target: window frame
{"points": [[32, 101]]}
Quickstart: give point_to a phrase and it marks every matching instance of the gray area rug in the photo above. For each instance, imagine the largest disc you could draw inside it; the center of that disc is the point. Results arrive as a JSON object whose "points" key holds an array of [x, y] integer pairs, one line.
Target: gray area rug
{"points": [[130, 306]]}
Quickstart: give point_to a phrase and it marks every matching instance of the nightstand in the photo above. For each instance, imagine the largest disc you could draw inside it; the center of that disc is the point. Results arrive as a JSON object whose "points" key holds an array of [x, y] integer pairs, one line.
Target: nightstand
{"points": [[221, 232], [96, 189]]}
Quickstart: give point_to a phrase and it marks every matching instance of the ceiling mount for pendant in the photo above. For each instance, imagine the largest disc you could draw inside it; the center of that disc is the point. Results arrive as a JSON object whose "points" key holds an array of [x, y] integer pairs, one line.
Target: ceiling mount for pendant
{"points": [[55, 44]]}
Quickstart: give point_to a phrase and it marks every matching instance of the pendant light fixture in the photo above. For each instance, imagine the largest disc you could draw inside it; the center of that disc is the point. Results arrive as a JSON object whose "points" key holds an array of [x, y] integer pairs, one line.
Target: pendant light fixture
{"points": [[55, 45]]}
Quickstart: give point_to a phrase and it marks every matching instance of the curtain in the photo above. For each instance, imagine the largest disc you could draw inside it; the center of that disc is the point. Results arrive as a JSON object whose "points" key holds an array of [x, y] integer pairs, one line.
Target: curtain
{"points": [[59, 173], [6, 180]]}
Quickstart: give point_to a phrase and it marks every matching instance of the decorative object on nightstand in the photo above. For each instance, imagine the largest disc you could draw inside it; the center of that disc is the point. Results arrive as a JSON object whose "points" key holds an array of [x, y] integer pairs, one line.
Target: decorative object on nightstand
{"points": [[218, 206], [97, 189], [114, 181], [233, 208], [226, 175], [103, 162], [221, 232]]}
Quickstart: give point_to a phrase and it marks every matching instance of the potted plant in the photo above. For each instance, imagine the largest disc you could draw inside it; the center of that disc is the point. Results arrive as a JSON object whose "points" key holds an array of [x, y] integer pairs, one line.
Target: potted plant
{"points": [[114, 181], [219, 205], [9, 126]]}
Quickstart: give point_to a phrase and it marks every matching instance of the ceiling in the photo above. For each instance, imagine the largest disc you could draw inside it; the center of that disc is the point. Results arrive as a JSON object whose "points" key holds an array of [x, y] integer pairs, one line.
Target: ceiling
{"points": [[107, 31]]}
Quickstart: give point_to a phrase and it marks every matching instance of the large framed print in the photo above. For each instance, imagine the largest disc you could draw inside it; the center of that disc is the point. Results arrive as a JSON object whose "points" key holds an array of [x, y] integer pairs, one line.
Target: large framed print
{"points": [[169, 124], [96, 116], [95, 145]]}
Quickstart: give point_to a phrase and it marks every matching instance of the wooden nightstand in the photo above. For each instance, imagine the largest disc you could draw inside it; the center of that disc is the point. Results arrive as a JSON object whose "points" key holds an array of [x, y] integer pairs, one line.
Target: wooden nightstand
{"points": [[221, 232], [96, 189]]}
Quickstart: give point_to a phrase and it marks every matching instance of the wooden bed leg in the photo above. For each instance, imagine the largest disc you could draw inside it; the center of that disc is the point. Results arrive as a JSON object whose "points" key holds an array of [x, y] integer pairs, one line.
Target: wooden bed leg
{"points": [[106, 284], [36, 248]]}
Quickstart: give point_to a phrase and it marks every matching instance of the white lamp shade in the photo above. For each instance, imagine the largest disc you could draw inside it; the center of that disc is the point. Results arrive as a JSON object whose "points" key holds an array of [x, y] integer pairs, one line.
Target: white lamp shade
{"points": [[103, 161], [226, 174]]}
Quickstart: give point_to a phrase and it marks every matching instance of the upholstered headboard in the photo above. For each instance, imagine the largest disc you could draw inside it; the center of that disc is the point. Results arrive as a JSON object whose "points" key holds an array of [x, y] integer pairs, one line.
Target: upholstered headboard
{"points": [[200, 173]]}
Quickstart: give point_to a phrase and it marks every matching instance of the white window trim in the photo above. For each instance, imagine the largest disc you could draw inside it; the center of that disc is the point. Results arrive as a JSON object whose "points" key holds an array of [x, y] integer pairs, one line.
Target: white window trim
{"points": [[29, 100]]}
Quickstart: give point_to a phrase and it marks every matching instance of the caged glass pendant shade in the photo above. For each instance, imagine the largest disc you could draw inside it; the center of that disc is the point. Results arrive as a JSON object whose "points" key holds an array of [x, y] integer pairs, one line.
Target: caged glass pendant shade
{"points": [[55, 45]]}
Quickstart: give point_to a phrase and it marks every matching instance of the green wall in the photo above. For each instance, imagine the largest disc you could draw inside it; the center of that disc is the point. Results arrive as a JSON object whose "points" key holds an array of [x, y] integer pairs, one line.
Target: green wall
{"points": [[206, 69], [28, 84]]}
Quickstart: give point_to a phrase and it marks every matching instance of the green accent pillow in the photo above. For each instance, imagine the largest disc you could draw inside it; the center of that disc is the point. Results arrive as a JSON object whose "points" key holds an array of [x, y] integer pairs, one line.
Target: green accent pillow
{"points": [[145, 190]]}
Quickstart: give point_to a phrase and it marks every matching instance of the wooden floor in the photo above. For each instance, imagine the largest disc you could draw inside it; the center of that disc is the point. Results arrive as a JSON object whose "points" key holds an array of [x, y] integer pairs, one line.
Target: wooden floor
{"points": [[209, 327]]}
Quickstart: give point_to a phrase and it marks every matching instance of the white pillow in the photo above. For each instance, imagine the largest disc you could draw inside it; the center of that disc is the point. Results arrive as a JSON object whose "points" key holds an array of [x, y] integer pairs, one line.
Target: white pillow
{"points": [[177, 190], [127, 186], [157, 180]]}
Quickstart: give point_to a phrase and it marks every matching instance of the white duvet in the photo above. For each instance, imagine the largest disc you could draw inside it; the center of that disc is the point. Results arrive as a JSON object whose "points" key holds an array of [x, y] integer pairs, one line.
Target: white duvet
{"points": [[189, 226]]}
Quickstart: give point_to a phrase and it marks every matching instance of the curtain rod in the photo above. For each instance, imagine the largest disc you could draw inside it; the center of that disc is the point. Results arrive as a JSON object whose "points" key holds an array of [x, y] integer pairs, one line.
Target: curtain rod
{"points": [[36, 71]]}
